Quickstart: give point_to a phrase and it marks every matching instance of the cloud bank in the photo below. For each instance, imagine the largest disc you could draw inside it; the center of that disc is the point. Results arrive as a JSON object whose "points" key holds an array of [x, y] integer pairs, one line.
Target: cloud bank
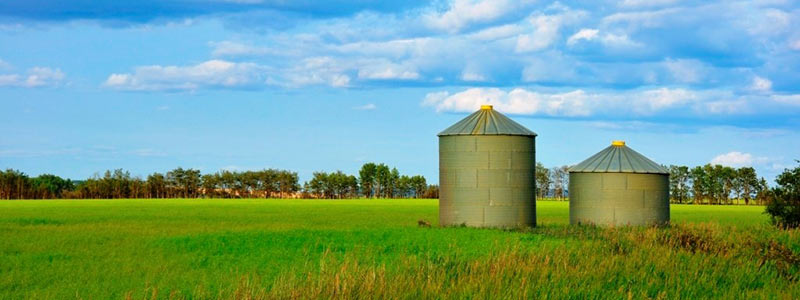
{"points": [[35, 77]]}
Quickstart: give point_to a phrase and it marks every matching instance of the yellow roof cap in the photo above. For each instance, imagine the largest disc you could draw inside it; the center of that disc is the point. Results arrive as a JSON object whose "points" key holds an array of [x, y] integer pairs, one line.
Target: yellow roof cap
{"points": [[617, 143], [486, 107]]}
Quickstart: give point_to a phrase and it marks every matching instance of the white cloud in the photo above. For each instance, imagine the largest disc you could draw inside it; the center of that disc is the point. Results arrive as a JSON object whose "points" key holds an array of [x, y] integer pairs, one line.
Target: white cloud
{"points": [[314, 71], [387, 70], [472, 76], [545, 33], [765, 22], [619, 40], [396, 49], [546, 29], [686, 70], [497, 32], [728, 107], [581, 103], [738, 159], [640, 19], [4, 65], [761, 84], [368, 106], [33, 78], [583, 34], [40, 76], [659, 99], [607, 39], [208, 74], [463, 13], [787, 99], [517, 101], [340, 80]]}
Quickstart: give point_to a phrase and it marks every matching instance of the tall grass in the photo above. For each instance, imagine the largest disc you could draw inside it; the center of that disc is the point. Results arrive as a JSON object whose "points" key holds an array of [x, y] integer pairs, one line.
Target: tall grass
{"points": [[684, 261], [300, 249]]}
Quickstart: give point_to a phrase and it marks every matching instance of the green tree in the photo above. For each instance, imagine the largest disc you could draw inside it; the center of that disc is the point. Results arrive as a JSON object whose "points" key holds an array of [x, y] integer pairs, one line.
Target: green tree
{"points": [[383, 179], [156, 185], [13, 184], [48, 186], [748, 183], [403, 187], [366, 177], [784, 200], [210, 185], [727, 177], [391, 186], [679, 183], [699, 178], [418, 185], [542, 180], [559, 176], [762, 192], [184, 182], [320, 185], [288, 182]]}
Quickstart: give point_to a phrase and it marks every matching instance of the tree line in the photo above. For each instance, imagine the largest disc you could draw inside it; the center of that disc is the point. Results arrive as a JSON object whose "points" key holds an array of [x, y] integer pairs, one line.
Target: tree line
{"points": [[708, 184], [716, 184], [374, 180]]}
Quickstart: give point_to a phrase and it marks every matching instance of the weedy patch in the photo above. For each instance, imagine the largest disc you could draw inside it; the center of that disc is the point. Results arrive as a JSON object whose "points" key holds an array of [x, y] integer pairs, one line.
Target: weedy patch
{"points": [[693, 238], [786, 261]]}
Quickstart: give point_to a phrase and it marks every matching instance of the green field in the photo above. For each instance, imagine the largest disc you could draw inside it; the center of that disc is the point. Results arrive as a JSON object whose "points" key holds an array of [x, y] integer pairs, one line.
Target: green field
{"points": [[223, 248]]}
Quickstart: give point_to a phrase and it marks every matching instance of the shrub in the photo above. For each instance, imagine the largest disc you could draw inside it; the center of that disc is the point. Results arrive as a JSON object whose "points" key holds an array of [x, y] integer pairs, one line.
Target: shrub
{"points": [[784, 204]]}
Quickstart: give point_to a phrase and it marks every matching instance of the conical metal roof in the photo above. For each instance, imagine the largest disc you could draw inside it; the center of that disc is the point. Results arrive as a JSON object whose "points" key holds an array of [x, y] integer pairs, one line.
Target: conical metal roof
{"points": [[486, 121], [618, 158]]}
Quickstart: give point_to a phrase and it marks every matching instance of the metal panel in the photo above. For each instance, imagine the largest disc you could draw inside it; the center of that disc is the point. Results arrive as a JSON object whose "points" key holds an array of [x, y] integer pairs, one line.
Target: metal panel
{"points": [[487, 180], [467, 215], [500, 160], [499, 145], [614, 181], [494, 178], [466, 177], [618, 198], [502, 197], [465, 144], [505, 215]]}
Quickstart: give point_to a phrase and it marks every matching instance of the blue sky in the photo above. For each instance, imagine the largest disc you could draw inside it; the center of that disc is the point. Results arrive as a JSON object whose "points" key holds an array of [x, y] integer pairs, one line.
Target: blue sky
{"points": [[148, 86]]}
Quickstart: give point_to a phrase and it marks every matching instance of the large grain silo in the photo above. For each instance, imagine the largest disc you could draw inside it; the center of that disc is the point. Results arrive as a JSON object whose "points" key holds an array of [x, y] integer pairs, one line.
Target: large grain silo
{"points": [[487, 165], [618, 186]]}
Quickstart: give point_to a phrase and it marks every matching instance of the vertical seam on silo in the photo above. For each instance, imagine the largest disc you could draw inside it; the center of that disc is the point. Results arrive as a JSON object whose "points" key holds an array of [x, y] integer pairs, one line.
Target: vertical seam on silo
{"points": [[489, 192], [480, 124], [600, 161], [633, 168], [494, 122]]}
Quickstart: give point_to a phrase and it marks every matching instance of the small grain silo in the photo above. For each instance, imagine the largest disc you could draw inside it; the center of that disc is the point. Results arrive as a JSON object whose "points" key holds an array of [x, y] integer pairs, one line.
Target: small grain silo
{"points": [[487, 166], [618, 186]]}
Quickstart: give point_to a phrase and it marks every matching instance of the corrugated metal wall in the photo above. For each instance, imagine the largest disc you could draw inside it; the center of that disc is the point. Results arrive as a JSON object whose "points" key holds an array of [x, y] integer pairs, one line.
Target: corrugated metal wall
{"points": [[618, 198], [487, 180]]}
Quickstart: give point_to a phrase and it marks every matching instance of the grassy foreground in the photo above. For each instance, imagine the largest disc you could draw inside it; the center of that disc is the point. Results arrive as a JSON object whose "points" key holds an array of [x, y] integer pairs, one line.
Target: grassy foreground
{"points": [[189, 248]]}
